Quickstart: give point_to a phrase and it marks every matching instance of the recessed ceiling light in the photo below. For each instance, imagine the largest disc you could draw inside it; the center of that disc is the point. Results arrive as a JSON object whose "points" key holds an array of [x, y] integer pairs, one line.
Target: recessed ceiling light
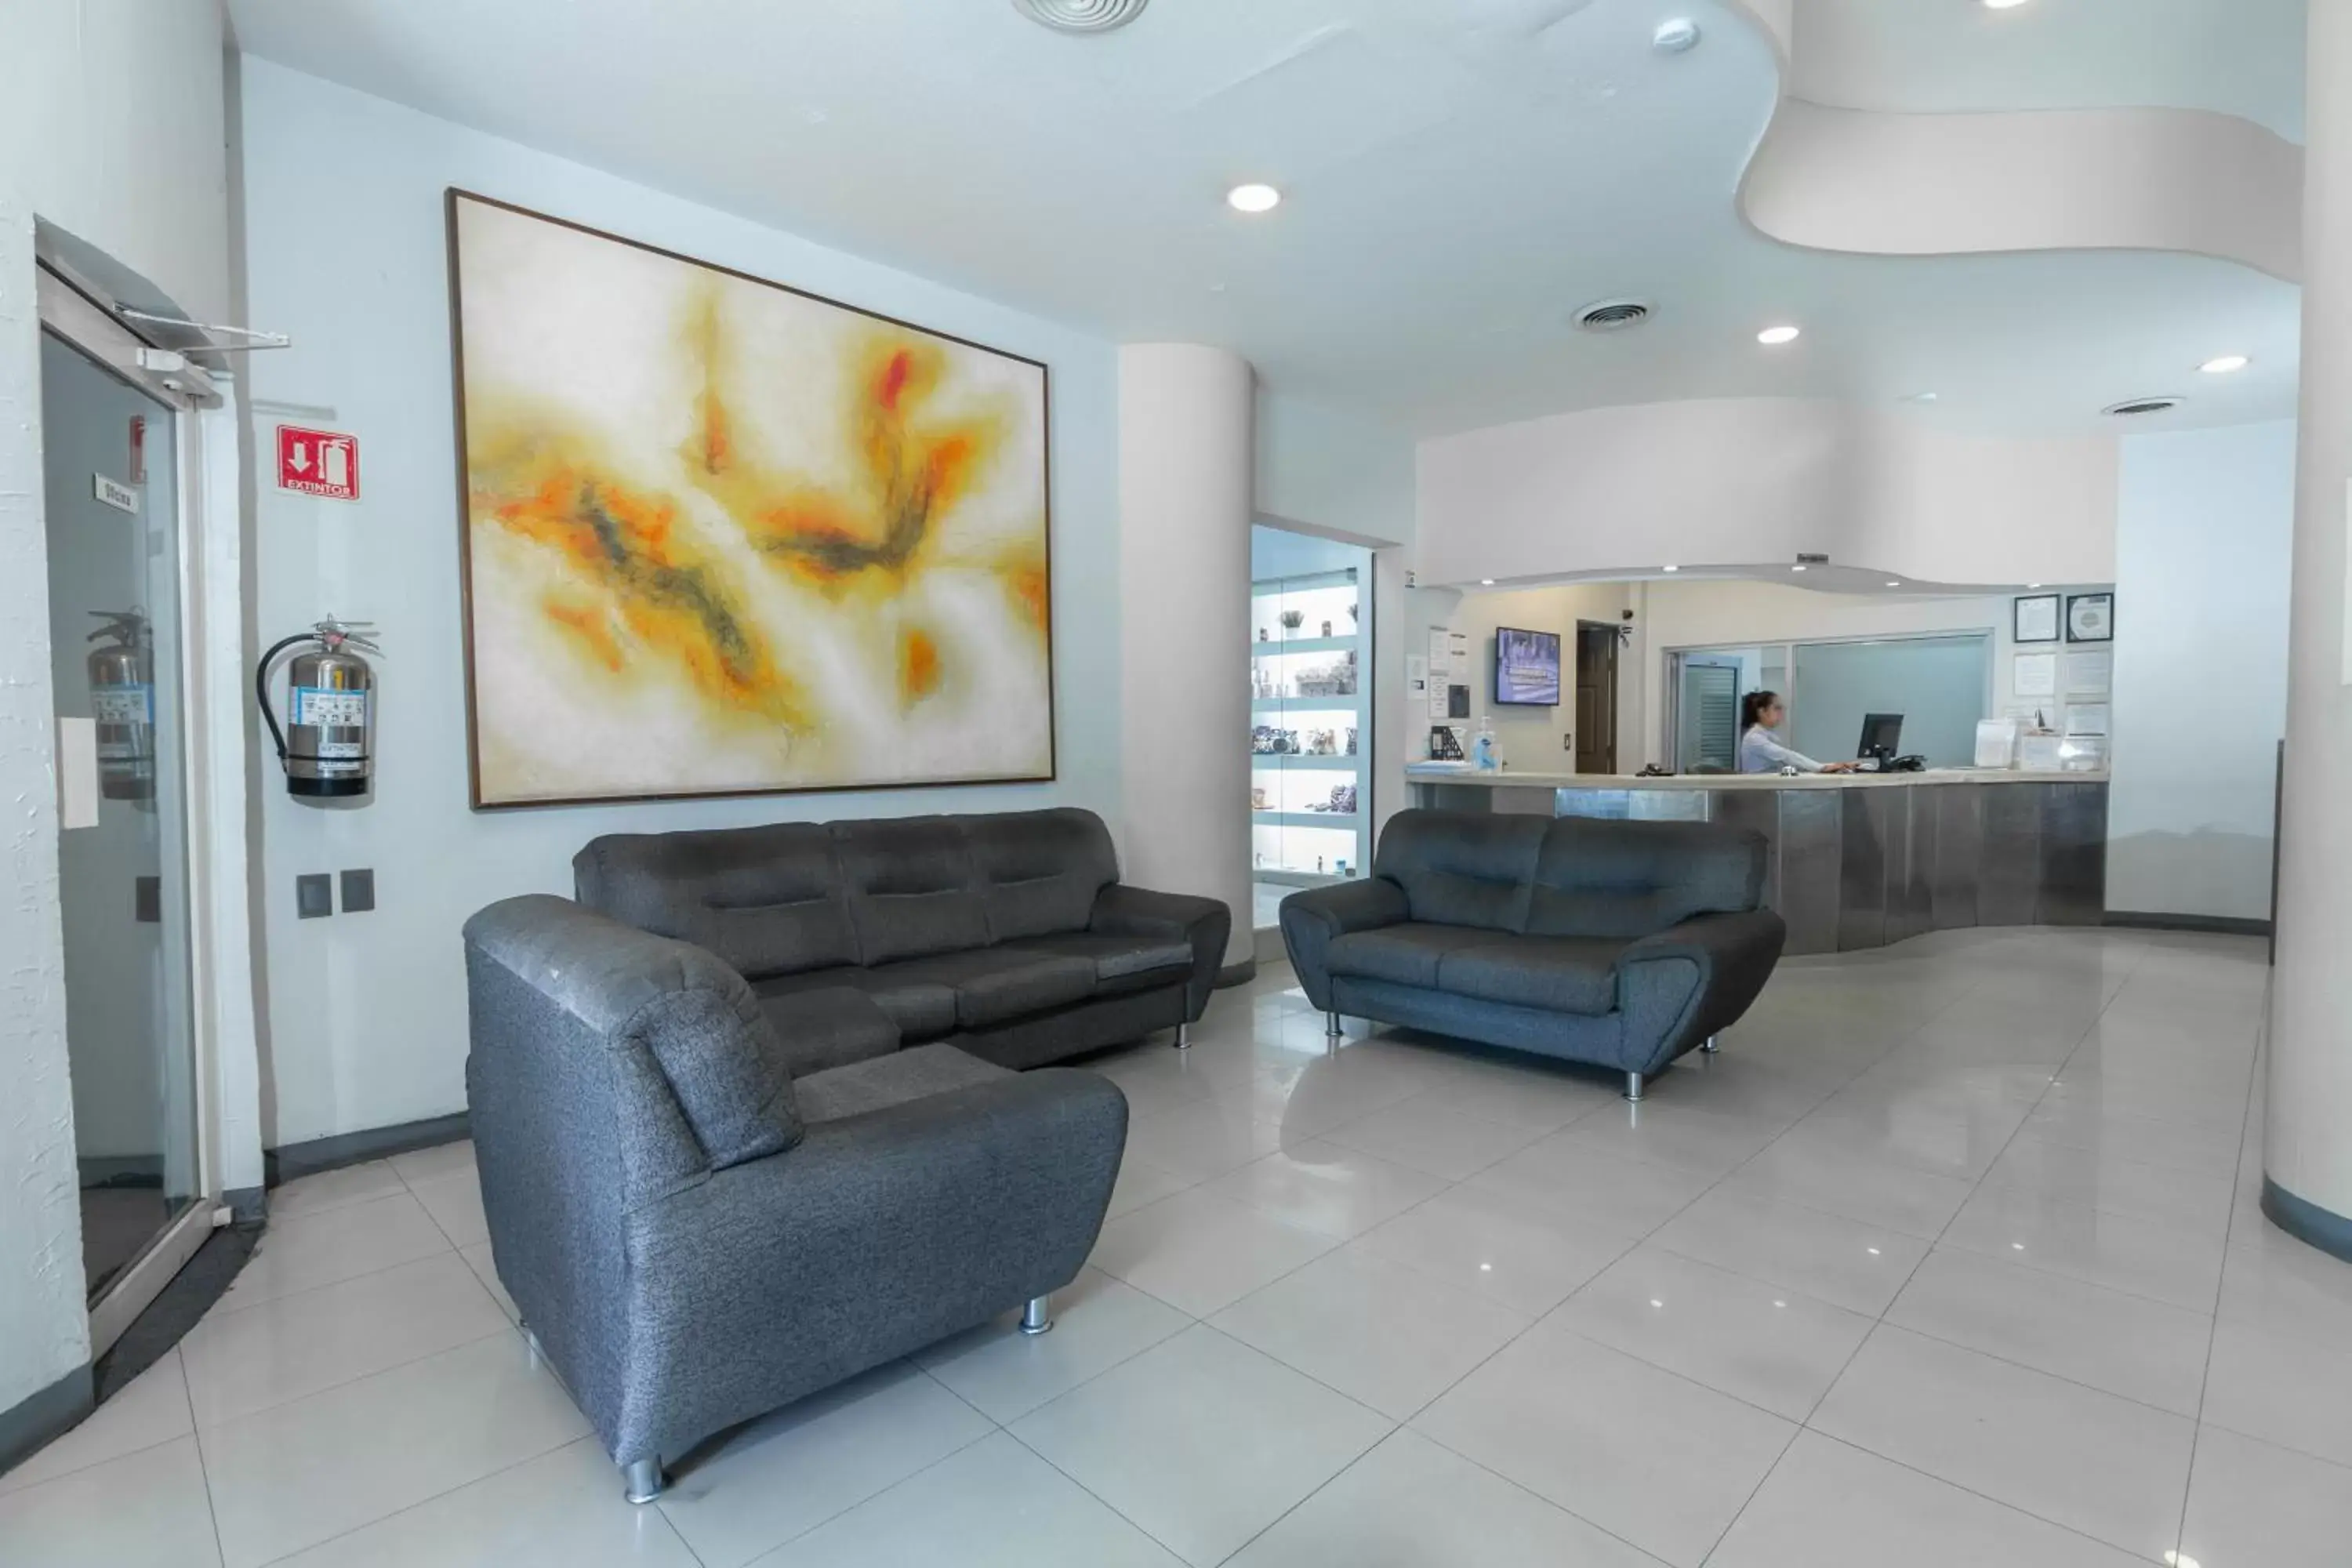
{"points": [[1676, 35], [2224, 365], [1486, 582], [1775, 336], [2002, 4], [1921, 398], [2180, 1560], [2033, 584], [1669, 568], [1894, 585], [1252, 198], [1800, 566]]}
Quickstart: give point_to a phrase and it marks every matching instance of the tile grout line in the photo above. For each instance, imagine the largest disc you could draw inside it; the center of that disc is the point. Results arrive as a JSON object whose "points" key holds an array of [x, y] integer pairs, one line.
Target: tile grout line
{"points": [[1828, 1388], [2056, 1072], [2221, 1282]]}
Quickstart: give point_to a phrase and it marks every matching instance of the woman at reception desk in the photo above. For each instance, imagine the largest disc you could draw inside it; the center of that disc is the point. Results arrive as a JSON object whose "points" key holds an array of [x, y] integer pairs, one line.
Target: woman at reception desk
{"points": [[1856, 860], [1761, 751]]}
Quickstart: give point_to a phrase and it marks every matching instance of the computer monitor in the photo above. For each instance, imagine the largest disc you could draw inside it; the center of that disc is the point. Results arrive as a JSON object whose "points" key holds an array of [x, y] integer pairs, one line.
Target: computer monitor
{"points": [[1882, 735]]}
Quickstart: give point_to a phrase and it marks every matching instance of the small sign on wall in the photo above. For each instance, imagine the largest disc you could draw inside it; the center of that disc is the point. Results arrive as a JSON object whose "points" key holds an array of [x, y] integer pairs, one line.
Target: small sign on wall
{"points": [[114, 493], [324, 463]]}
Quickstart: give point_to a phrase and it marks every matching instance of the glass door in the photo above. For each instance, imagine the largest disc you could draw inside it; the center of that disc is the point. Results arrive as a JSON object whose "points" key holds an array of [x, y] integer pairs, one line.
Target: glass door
{"points": [[1706, 713], [113, 520]]}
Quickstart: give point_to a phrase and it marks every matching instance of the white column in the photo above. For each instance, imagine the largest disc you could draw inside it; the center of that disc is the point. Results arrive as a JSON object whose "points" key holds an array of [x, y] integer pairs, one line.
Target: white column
{"points": [[1186, 416], [2308, 1150]]}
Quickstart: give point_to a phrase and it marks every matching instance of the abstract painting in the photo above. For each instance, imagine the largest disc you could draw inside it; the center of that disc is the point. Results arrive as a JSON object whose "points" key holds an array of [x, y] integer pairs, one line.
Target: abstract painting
{"points": [[720, 536]]}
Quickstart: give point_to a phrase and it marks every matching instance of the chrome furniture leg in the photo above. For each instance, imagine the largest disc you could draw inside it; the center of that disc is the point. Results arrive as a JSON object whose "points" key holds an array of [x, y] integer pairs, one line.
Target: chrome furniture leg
{"points": [[1711, 1045], [1184, 1037], [645, 1480], [1633, 1088], [1036, 1317], [1330, 1026]]}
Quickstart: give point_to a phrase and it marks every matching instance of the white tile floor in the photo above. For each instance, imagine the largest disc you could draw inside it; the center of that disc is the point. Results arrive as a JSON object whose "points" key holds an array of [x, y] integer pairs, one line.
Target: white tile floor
{"points": [[1952, 1257]]}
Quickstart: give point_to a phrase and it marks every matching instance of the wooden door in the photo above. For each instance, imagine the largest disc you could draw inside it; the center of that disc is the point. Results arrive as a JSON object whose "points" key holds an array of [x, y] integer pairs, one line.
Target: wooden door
{"points": [[1596, 698]]}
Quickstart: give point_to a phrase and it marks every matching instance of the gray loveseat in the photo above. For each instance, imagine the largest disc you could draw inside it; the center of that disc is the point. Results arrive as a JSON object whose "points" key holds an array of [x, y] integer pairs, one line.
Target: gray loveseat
{"points": [[1619, 943], [699, 1223], [1009, 935]]}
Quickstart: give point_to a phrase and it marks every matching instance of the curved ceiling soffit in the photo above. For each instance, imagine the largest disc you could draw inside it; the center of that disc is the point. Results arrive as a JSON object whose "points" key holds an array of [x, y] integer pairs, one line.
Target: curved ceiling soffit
{"points": [[1866, 182]]}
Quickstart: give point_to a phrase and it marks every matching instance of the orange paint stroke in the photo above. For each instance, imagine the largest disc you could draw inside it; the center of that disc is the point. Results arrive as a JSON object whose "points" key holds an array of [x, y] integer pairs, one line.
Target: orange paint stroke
{"points": [[918, 667]]}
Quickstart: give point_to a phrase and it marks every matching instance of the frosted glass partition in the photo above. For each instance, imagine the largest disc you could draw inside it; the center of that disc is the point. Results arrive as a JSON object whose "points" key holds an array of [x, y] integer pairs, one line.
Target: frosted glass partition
{"points": [[1942, 686]]}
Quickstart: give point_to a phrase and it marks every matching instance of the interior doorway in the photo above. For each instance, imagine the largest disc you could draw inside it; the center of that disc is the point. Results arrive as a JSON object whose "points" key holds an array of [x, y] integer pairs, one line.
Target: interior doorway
{"points": [[113, 438], [1596, 698]]}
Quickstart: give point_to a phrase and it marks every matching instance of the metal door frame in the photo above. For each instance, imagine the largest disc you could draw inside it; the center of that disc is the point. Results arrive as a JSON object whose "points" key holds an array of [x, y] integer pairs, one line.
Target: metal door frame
{"points": [[78, 321]]}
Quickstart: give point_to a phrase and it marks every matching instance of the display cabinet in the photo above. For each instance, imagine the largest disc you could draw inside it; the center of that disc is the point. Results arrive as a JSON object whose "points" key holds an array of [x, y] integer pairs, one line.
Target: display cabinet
{"points": [[1310, 736]]}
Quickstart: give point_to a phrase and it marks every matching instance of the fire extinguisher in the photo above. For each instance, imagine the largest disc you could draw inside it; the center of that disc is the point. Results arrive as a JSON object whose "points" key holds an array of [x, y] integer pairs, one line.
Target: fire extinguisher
{"points": [[330, 710], [123, 701]]}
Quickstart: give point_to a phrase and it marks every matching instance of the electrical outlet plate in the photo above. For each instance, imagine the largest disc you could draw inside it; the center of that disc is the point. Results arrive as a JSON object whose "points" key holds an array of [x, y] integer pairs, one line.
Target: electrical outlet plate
{"points": [[314, 896], [359, 891]]}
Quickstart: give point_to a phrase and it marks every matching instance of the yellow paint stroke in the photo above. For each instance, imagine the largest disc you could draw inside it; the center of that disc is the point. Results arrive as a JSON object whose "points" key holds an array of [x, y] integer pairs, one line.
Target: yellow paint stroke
{"points": [[669, 594]]}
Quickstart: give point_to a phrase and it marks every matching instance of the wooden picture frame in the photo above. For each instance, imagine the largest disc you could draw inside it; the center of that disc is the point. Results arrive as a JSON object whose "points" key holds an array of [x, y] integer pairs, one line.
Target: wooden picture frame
{"points": [[721, 536]]}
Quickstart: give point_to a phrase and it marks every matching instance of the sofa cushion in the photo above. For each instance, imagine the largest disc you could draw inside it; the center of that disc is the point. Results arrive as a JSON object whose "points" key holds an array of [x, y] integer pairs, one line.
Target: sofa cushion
{"points": [[828, 1027], [1408, 954], [767, 900], [1039, 871], [889, 1081], [1627, 879], [1121, 964], [911, 888], [996, 985], [921, 1009], [1557, 973], [1462, 868]]}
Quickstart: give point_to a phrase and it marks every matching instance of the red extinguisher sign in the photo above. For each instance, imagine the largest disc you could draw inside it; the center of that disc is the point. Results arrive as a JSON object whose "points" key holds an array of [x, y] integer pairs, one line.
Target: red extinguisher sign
{"points": [[318, 462]]}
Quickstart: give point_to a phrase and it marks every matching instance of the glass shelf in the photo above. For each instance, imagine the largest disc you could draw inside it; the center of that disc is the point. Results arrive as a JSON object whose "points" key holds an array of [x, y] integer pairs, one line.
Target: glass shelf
{"points": [[1326, 645]]}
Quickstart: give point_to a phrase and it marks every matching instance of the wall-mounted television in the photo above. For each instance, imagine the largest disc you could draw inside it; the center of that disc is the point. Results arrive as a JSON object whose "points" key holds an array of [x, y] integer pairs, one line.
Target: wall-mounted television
{"points": [[1526, 669]]}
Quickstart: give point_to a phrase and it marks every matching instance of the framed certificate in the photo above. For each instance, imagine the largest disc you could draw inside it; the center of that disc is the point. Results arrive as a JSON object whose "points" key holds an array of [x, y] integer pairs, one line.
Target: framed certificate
{"points": [[2091, 617], [2036, 619]]}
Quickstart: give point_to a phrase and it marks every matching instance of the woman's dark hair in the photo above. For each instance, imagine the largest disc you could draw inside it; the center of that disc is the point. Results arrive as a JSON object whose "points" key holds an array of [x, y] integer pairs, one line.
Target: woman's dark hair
{"points": [[1751, 709]]}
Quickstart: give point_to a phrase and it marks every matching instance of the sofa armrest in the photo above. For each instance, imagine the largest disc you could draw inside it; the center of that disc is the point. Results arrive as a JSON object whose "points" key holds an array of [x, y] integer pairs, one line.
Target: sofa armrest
{"points": [[1678, 986], [876, 1234], [1204, 924], [1312, 920]]}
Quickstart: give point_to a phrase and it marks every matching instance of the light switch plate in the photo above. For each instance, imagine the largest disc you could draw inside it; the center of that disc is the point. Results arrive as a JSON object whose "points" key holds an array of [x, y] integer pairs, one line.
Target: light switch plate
{"points": [[314, 896], [359, 891]]}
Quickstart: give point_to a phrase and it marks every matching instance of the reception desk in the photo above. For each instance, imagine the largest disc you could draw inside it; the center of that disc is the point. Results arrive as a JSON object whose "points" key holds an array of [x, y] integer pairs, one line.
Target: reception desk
{"points": [[1858, 860]]}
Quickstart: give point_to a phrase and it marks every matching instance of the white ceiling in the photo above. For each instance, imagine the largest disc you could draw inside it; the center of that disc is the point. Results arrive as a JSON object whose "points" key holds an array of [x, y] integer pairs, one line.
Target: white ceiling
{"points": [[2238, 57], [1461, 175]]}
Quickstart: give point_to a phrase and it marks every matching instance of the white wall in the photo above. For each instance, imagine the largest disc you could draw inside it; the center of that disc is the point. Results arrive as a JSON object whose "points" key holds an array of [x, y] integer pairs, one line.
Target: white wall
{"points": [[2202, 549], [367, 1012], [1756, 482], [1333, 472], [110, 127], [1527, 739], [1704, 614]]}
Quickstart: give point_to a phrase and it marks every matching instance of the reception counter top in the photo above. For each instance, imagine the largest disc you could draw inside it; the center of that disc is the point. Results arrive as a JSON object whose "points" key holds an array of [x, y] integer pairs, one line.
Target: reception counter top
{"points": [[1505, 778], [1857, 860]]}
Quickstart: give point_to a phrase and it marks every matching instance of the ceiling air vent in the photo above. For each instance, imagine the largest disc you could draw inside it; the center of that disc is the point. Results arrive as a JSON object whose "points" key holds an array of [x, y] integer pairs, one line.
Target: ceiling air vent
{"points": [[2141, 405], [1614, 315], [1082, 16]]}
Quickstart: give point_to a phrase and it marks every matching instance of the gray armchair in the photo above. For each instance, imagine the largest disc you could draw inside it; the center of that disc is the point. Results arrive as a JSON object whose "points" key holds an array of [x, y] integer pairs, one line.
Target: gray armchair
{"points": [[694, 1236]]}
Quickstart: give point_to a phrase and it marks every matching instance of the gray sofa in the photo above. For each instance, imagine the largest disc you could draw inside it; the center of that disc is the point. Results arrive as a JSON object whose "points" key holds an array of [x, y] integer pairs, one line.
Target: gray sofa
{"points": [[1619, 943], [700, 1221], [1009, 935]]}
